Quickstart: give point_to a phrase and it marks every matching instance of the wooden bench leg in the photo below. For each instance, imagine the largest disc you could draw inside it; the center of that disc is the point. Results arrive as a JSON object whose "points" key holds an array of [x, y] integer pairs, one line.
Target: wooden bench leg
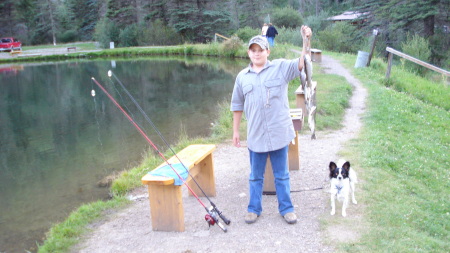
{"points": [[300, 102], [166, 207], [294, 164], [294, 159], [204, 172]]}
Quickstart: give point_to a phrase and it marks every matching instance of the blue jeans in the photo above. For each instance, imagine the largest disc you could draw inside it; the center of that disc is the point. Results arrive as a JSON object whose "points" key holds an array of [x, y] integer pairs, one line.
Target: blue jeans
{"points": [[279, 161], [271, 41]]}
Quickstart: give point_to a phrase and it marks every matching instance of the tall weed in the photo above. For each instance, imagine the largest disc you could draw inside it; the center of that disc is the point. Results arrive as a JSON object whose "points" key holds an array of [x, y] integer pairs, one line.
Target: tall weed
{"points": [[428, 90], [406, 142], [232, 46], [417, 47]]}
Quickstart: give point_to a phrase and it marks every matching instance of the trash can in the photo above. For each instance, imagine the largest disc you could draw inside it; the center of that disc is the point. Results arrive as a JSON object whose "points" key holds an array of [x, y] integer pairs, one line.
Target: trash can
{"points": [[362, 59]]}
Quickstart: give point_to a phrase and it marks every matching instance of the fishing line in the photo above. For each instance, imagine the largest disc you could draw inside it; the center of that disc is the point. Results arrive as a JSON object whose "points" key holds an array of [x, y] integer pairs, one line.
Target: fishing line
{"points": [[110, 73], [125, 105], [97, 123], [212, 212]]}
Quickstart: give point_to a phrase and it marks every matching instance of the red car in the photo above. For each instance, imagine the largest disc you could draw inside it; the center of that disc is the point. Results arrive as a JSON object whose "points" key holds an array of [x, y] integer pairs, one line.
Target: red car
{"points": [[10, 44]]}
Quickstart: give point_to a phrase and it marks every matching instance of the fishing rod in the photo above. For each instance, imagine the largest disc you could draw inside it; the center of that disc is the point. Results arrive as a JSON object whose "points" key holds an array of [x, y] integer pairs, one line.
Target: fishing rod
{"points": [[214, 207], [213, 213]]}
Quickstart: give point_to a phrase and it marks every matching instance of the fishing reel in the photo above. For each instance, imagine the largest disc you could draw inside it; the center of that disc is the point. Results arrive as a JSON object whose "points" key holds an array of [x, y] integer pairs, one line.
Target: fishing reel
{"points": [[212, 218]]}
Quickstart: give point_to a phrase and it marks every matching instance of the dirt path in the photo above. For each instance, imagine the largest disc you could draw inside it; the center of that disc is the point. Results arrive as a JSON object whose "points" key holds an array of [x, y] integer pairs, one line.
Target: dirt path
{"points": [[130, 229]]}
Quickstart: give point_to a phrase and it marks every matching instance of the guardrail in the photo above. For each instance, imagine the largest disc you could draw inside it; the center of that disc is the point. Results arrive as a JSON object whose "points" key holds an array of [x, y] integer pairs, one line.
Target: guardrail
{"points": [[392, 51]]}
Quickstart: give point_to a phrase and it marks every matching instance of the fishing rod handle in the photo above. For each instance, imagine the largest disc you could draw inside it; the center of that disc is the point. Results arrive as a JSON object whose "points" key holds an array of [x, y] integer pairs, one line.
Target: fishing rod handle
{"points": [[214, 207], [221, 226], [227, 221]]}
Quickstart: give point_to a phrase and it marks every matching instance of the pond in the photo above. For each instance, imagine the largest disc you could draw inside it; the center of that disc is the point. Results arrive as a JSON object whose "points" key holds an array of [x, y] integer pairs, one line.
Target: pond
{"points": [[57, 141]]}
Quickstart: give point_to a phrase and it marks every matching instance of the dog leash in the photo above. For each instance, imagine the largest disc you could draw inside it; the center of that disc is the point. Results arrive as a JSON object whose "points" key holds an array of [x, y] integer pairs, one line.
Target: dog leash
{"points": [[303, 190]]}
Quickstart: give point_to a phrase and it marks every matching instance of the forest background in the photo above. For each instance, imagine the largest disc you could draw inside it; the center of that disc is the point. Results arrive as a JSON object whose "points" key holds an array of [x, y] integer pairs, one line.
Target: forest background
{"points": [[416, 27]]}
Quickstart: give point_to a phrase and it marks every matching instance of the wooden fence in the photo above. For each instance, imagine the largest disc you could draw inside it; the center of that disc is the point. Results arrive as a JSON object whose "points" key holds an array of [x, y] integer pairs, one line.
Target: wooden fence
{"points": [[219, 35], [410, 58]]}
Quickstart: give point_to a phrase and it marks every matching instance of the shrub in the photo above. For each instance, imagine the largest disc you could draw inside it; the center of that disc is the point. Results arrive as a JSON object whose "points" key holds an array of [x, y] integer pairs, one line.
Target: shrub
{"points": [[340, 37], [419, 48], [105, 32], [318, 22], [68, 36], [286, 17], [247, 33], [232, 46], [157, 33], [128, 36], [289, 36]]}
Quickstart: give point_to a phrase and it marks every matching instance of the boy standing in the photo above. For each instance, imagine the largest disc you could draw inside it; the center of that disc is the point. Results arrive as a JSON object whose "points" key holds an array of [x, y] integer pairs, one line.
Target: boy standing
{"points": [[260, 91]]}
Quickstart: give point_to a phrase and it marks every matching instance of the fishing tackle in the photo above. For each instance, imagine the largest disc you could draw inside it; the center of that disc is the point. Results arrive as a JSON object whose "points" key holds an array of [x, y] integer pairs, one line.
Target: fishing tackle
{"points": [[212, 213]]}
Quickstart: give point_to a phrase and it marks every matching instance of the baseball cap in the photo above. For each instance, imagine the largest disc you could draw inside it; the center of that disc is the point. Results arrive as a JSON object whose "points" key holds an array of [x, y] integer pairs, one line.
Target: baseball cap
{"points": [[260, 40]]}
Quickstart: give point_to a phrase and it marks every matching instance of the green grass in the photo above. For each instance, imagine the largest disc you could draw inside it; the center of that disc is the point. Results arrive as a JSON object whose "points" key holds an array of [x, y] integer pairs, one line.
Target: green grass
{"points": [[403, 155], [62, 236], [332, 93], [67, 233]]}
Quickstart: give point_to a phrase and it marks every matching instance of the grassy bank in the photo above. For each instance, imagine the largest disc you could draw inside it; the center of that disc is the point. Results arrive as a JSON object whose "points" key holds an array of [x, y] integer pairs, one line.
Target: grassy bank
{"points": [[208, 50], [89, 51], [402, 155], [62, 236]]}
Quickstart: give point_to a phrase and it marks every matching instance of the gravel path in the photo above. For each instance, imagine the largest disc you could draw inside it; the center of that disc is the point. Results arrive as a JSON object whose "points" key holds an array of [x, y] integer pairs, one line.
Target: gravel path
{"points": [[129, 230]]}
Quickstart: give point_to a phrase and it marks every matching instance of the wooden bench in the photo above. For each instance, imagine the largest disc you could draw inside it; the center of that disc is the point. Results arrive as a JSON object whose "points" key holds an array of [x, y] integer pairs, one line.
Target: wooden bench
{"points": [[293, 154], [166, 203], [71, 48], [316, 55], [300, 99]]}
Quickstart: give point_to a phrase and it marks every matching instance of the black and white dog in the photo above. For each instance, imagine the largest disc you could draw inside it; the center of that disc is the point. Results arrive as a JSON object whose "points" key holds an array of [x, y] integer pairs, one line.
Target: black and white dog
{"points": [[343, 179]]}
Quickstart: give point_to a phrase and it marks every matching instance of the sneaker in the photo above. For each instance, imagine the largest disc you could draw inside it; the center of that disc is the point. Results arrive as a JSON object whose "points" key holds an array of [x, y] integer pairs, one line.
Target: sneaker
{"points": [[250, 218], [290, 218]]}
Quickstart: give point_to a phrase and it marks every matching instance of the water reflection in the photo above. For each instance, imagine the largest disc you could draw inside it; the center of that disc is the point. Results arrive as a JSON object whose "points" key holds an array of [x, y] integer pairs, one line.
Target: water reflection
{"points": [[57, 141]]}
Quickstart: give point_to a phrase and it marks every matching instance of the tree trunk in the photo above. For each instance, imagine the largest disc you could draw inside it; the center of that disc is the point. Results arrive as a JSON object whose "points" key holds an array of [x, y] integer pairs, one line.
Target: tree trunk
{"points": [[301, 9], [52, 21], [428, 26], [139, 11], [317, 7]]}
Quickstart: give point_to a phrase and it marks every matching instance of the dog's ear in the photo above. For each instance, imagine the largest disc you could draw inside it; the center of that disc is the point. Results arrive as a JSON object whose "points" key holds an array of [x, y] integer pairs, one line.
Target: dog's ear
{"points": [[332, 166], [346, 165]]}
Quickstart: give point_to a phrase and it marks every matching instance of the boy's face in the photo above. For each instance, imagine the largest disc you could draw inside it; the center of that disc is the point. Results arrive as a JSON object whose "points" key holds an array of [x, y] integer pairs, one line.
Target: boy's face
{"points": [[257, 55]]}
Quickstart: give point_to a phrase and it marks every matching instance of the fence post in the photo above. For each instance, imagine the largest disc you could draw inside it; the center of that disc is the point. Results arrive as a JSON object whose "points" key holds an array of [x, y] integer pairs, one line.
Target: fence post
{"points": [[388, 71], [375, 33]]}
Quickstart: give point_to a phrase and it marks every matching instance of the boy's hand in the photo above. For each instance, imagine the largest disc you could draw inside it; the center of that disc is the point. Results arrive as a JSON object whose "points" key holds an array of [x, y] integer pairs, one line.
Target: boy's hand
{"points": [[306, 32], [236, 140]]}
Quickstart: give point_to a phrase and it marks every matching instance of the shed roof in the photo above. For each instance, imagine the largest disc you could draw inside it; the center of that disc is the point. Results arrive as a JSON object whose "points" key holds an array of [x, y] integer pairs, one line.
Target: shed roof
{"points": [[348, 15]]}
